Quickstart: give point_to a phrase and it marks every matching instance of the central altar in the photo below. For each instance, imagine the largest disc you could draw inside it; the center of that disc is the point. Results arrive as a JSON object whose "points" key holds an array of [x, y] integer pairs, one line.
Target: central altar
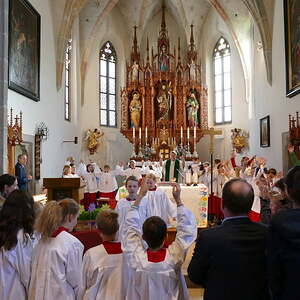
{"points": [[164, 104]]}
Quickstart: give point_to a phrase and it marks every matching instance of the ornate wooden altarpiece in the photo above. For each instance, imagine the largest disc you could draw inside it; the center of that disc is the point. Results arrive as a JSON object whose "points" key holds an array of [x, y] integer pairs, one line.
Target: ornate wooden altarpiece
{"points": [[14, 137], [158, 108]]}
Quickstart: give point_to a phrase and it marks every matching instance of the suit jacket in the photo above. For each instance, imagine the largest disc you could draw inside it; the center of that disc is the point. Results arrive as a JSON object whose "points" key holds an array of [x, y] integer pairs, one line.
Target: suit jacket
{"points": [[284, 255], [21, 176], [229, 261]]}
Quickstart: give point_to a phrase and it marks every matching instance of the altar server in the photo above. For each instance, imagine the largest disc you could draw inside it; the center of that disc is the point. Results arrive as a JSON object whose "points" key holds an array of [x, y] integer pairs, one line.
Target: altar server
{"points": [[16, 245], [107, 182], [131, 171], [157, 201], [57, 258], [124, 204], [91, 179], [105, 273], [157, 270]]}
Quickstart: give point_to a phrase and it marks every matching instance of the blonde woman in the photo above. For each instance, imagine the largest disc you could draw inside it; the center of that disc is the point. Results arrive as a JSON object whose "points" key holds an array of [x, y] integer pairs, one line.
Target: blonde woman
{"points": [[57, 259]]}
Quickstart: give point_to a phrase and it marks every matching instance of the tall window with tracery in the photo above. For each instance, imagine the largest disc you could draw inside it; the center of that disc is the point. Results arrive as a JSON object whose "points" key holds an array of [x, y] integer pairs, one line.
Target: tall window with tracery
{"points": [[108, 58], [222, 82], [68, 80]]}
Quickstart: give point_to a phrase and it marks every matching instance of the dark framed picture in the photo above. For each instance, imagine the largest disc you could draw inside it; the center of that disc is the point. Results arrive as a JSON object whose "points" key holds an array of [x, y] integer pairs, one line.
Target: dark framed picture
{"points": [[265, 132], [24, 49], [292, 46]]}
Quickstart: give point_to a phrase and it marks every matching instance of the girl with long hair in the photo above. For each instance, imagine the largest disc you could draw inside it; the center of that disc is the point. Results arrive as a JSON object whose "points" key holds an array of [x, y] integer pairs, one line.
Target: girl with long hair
{"points": [[16, 245], [57, 259]]}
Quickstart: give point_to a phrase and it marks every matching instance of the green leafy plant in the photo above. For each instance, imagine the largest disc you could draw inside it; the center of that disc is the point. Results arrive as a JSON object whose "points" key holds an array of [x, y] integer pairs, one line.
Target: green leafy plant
{"points": [[91, 215]]}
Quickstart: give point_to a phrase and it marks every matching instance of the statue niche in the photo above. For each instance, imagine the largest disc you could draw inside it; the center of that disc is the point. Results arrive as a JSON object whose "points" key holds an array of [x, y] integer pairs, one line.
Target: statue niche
{"points": [[135, 108], [192, 108], [163, 102]]}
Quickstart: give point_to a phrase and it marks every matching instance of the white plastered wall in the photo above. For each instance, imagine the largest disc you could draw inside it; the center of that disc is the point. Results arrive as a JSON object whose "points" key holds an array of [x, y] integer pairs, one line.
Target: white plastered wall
{"points": [[50, 108], [271, 100], [213, 28]]}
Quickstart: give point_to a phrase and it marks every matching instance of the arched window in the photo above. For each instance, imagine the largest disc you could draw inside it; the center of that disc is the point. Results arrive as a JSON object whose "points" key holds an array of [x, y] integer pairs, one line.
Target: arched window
{"points": [[222, 82], [68, 80], [108, 58]]}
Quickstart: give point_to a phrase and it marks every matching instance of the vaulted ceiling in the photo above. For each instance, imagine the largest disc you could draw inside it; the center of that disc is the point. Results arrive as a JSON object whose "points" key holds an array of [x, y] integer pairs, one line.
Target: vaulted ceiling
{"points": [[91, 14]]}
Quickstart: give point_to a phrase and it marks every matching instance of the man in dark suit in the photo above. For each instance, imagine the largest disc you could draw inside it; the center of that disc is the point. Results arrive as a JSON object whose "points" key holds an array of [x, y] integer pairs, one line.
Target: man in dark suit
{"points": [[20, 172], [284, 244], [229, 260]]}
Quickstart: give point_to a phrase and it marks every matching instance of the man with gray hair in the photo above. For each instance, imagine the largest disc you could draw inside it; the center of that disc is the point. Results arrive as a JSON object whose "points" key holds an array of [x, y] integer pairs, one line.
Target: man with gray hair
{"points": [[229, 260], [20, 172]]}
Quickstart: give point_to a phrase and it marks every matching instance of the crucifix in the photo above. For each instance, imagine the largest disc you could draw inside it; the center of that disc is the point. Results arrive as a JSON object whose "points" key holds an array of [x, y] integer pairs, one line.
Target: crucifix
{"points": [[211, 132]]}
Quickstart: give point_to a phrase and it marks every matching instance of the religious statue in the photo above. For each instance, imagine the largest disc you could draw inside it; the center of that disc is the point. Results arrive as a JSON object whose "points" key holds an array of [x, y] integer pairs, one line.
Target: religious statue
{"points": [[239, 139], [193, 68], [134, 71], [163, 59], [92, 139], [164, 101], [192, 107], [135, 108]]}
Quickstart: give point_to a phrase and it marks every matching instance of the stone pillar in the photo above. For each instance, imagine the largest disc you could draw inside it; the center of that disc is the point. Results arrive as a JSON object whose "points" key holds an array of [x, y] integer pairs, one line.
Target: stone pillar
{"points": [[3, 83]]}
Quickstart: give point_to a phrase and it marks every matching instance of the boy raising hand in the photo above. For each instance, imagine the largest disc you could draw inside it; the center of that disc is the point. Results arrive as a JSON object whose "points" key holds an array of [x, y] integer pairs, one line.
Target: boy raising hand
{"points": [[157, 270]]}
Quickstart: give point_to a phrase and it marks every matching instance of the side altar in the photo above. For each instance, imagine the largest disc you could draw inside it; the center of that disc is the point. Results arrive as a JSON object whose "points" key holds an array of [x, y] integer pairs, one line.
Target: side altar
{"points": [[164, 103]]}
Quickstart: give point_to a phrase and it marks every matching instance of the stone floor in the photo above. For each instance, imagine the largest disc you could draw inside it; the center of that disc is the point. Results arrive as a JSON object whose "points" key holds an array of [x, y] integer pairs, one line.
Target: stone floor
{"points": [[195, 293]]}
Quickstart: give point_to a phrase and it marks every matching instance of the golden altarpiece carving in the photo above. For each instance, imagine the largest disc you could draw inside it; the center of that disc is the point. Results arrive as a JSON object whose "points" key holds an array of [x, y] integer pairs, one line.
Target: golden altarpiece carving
{"points": [[164, 103]]}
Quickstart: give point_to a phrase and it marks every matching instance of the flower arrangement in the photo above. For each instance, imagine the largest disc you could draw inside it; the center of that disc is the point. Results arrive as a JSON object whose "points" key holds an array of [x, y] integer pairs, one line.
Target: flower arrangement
{"points": [[92, 212], [147, 152], [182, 150]]}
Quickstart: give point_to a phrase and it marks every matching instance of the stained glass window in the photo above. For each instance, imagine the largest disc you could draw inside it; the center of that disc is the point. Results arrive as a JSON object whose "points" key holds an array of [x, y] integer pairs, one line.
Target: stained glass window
{"points": [[68, 80], [107, 80], [222, 82]]}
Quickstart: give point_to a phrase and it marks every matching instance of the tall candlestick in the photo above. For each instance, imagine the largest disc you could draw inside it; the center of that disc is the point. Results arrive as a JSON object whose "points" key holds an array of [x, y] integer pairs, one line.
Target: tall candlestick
{"points": [[194, 132], [140, 133], [133, 132], [181, 133], [188, 133], [146, 133]]}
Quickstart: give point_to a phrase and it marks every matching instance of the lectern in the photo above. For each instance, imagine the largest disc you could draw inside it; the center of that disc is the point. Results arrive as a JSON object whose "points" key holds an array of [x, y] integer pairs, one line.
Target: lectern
{"points": [[60, 188]]}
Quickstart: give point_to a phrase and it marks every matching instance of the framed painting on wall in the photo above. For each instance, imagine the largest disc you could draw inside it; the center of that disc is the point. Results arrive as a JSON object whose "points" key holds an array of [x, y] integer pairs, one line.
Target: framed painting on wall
{"points": [[292, 46], [265, 132], [24, 49]]}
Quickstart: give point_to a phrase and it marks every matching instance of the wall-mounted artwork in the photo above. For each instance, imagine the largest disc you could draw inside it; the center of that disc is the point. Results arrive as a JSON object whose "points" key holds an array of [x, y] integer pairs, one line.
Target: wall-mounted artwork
{"points": [[292, 46], [265, 132], [24, 49]]}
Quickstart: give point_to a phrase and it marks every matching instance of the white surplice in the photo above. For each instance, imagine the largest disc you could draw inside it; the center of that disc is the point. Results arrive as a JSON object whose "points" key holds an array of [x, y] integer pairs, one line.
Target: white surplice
{"points": [[15, 268], [159, 204], [107, 181], [158, 280], [137, 172], [91, 182], [105, 276], [56, 268], [122, 208]]}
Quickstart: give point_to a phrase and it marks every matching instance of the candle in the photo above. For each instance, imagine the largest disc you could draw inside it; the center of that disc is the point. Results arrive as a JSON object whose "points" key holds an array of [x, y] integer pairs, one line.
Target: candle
{"points": [[181, 133], [140, 133], [188, 133], [146, 133], [133, 132], [194, 132]]}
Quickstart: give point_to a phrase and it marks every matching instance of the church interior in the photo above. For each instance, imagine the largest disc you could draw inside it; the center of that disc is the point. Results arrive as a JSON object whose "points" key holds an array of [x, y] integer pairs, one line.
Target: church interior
{"points": [[68, 105], [113, 81]]}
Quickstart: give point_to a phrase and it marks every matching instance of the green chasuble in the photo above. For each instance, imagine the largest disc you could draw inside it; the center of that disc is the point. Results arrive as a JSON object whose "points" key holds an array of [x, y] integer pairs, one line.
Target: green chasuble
{"points": [[176, 168]]}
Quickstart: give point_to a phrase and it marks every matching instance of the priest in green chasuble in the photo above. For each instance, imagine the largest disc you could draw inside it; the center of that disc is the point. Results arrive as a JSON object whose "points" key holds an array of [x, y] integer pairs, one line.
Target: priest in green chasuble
{"points": [[172, 168]]}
